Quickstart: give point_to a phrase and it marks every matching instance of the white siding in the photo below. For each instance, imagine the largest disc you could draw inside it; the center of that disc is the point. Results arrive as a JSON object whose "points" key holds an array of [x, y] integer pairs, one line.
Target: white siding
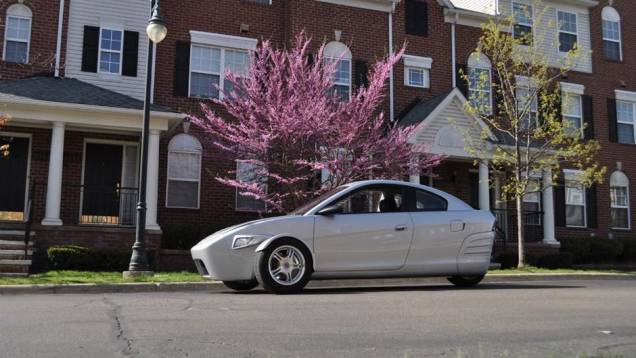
{"points": [[453, 115], [545, 29], [131, 15]]}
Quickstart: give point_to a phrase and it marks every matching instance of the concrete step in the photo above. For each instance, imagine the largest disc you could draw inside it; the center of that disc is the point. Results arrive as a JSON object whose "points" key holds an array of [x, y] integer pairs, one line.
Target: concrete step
{"points": [[4, 252], [14, 233], [13, 244], [15, 262]]}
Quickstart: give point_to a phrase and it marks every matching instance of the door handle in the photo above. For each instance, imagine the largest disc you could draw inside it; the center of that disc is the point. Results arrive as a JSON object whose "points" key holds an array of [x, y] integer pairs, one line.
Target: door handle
{"points": [[457, 225], [400, 228]]}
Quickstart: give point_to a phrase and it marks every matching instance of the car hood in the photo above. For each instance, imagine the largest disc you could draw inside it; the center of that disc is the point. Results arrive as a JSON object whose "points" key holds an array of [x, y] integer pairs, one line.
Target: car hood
{"points": [[268, 227]]}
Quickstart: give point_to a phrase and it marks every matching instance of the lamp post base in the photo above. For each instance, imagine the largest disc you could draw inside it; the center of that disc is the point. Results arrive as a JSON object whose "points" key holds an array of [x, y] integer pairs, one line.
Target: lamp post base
{"points": [[134, 274]]}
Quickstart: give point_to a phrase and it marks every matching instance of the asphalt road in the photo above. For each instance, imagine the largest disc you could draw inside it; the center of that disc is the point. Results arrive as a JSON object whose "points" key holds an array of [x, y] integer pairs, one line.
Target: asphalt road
{"points": [[517, 319]]}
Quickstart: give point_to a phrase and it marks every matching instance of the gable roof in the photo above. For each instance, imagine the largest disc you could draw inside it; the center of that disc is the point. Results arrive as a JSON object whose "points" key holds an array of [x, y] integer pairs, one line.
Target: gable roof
{"points": [[422, 110], [71, 91]]}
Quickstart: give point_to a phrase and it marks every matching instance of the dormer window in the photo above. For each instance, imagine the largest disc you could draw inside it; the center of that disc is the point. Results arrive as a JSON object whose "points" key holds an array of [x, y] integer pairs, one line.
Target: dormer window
{"points": [[17, 34]]}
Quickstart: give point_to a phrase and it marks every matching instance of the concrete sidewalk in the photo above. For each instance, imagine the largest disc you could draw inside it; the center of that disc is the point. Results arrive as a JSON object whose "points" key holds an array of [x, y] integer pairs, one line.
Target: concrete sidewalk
{"points": [[216, 286]]}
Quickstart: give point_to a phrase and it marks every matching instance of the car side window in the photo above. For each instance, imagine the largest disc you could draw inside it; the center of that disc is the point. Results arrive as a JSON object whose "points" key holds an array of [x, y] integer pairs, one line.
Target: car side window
{"points": [[373, 200], [425, 201]]}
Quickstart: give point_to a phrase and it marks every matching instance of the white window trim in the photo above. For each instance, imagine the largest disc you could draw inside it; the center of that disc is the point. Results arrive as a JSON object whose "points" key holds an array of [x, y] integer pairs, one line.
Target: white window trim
{"points": [[221, 72], [7, 38], [573, 172], [565, 93], [530, 25], [168, 178], [627, 96], [633, 122], [120, 52], [559, 30], [620, 35], [423, 64], [629, 211], [221, 40]]}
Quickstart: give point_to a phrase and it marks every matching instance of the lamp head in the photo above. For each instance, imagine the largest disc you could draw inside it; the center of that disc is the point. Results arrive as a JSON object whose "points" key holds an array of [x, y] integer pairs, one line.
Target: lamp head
{"points": [[156, 28]]}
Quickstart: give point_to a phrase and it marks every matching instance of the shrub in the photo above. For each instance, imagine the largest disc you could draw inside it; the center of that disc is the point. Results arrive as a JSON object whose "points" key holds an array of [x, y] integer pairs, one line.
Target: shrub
{"points": [[580, 248], [605, 250], [629, 250], [555, 261], [70, 257], [507, 260], [183, 237]]}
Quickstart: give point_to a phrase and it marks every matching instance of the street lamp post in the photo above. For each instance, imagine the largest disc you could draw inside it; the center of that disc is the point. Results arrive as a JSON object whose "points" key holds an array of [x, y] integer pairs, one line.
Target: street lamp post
{"points": [[156, 31]]}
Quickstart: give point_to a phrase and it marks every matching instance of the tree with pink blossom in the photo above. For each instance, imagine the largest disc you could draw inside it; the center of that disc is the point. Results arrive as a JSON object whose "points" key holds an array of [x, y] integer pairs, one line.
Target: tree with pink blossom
{"points": [[297, 137]]}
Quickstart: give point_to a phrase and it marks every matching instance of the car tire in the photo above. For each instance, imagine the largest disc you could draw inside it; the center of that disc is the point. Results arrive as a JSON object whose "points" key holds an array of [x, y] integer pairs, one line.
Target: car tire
{"points": [[243, 285], [284, 267], [466, 281]]}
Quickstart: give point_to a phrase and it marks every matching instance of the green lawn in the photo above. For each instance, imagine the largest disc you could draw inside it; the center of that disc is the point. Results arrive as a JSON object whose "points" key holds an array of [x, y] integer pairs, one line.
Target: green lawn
{"points": [[66, 277]]}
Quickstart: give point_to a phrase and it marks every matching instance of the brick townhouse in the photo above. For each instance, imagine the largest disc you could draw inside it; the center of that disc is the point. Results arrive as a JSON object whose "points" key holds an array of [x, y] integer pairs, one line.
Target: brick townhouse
{"points": [[76, 117]]}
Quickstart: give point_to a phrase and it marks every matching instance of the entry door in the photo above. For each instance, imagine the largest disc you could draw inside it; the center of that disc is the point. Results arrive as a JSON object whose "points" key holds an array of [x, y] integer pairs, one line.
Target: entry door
{"points": [[13, 178], [372, 233], [102, 179]]}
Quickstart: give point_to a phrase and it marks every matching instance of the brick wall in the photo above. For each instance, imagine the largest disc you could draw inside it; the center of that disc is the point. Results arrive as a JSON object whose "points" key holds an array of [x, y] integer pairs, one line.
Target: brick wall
{"points": [[43, 39]]}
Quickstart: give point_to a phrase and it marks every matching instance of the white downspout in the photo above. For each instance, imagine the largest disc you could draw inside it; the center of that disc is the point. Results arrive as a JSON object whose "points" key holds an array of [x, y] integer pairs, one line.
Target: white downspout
{"points": [[453, 53], [391, 89], [58, 49]]}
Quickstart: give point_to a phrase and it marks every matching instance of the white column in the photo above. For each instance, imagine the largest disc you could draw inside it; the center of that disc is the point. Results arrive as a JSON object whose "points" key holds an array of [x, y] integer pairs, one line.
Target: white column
{"points": [[547, 201], [54, 184], [414, 178], [484, 186], [152, 185]]}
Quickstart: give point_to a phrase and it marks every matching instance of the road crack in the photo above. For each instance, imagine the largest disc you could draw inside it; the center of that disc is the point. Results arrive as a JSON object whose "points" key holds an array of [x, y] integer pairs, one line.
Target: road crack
{"points": [[125, 344]]}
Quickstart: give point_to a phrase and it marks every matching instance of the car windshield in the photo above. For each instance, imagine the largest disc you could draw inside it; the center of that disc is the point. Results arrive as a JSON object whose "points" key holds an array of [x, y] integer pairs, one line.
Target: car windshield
{"points": [[317, 200]]}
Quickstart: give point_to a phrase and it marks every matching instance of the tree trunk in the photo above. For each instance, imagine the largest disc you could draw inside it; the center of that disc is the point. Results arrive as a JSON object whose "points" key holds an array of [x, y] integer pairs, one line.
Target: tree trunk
{"points": [[520, 232]]}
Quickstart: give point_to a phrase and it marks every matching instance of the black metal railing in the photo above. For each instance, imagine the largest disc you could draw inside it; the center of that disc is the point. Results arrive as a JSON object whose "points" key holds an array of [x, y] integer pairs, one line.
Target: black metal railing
{"points": [[28, 217], [99, 205], [506, 225]]}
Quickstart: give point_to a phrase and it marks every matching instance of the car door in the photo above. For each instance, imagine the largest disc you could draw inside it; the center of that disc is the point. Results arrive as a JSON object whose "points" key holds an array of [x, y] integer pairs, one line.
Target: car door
{"points": [[372, 232], [437, 233]]}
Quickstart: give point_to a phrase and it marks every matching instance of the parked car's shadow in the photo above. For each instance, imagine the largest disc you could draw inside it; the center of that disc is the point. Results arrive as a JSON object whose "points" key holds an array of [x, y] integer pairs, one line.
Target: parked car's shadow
{"points": [[424, 288]]}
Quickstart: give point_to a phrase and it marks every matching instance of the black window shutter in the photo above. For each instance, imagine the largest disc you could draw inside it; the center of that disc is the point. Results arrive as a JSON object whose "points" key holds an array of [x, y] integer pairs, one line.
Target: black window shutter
{"points": [[559, 204], [590, 205], [182, 69], [310, 59], [131, 53], [90, 49], [588, 116], [361, 73], [416, 17], [611, 116], [462, 84]]}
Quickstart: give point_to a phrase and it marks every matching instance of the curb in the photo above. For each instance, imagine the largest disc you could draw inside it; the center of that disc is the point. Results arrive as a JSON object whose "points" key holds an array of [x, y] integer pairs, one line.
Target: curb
{"points": [[216, 286]]}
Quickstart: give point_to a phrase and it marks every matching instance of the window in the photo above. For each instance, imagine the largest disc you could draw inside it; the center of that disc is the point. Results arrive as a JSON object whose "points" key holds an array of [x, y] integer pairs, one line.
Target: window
{"points": [[417, 71], [619, 197], [17, 34], [425, 201], [523, 16], [572, 110], [250, 173], [110, 49], [340, 53], [184, 172], [384, 199], [611, 34], [527, 107], [575, 210], [207, 66], [567, 30], [625, 121], [480, 83]]}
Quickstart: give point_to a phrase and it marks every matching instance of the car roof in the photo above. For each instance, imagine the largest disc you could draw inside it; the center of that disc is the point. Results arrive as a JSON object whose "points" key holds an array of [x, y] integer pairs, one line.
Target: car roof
{"points": [[453, 202]]}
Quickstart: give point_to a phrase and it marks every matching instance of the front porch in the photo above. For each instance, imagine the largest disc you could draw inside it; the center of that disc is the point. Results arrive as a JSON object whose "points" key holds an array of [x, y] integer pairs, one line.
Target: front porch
{"points": [[74, 168]]}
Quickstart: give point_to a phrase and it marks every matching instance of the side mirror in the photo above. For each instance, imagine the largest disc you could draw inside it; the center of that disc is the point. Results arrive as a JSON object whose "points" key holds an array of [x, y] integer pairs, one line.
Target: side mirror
{"points": [[331, 210]]}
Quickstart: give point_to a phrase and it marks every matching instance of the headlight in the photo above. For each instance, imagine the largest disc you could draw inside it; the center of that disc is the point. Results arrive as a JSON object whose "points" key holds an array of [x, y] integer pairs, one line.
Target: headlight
{"points": [[241, 241]]}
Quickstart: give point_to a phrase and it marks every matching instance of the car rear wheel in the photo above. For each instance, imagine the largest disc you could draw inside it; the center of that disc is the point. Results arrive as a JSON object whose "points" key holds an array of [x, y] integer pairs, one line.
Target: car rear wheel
{"points": [[243, 285], [466, 281], [284, 267]]}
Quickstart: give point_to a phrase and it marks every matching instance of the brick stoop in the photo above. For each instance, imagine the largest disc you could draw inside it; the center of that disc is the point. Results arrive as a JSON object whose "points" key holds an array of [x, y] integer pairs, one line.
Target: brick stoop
{"points": [[13, 261]]}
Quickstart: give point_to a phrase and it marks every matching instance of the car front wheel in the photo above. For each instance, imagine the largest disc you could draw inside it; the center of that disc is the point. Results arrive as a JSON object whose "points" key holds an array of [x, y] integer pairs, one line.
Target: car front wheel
{"points": [[284, 267], [465, 281], [243, 285]]}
